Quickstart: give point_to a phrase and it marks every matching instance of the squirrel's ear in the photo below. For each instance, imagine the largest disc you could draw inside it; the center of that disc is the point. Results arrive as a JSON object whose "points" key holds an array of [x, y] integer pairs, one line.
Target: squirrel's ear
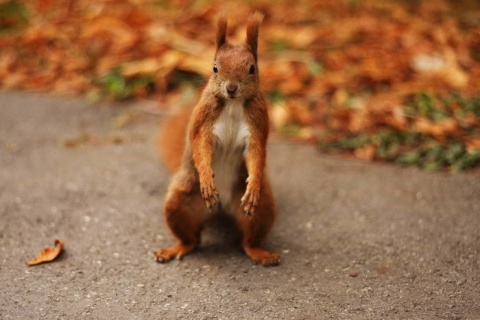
{"points": [[221, 30], [253, 26]]}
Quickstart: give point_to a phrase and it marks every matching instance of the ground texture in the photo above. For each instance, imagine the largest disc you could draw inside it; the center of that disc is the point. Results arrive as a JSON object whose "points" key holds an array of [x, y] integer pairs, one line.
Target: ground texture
{"points": [[358, 240]]}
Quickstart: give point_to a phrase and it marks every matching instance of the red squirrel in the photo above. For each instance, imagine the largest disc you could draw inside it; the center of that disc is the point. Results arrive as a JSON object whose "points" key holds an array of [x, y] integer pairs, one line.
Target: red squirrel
{"points": [[222, 167]]}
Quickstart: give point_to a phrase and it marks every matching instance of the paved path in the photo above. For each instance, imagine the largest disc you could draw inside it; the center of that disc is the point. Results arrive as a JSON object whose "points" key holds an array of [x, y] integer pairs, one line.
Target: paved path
{"points": [[358, 240]]}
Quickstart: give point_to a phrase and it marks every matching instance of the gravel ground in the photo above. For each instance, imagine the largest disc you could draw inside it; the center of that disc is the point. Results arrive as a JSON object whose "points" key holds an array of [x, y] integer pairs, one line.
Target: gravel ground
{"points": [[358, 240]]}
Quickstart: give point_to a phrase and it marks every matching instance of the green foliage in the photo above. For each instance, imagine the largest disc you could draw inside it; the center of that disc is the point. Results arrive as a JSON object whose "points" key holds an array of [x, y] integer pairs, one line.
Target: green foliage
{"points": [[13, 16], [469, 106], [437, 108], [279, 45], [275, 97], [428, 106], [352, 142], [315, 68], [412, 148], [114, 85], [434, 156], [290, 129]]}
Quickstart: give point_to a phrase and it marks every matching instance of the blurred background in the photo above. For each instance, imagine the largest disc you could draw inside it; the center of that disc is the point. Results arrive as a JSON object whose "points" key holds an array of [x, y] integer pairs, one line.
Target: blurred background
{"points": [[393, 81]]}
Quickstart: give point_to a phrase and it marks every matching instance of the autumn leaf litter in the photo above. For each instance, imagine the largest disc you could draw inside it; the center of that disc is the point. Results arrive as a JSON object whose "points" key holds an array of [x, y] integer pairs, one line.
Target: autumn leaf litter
{"points": [[371, 79]]}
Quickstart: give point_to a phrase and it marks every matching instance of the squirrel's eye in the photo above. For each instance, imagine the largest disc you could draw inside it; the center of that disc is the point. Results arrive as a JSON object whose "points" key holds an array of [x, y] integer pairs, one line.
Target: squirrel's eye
{"points": [[252, 69], [215, 69]]}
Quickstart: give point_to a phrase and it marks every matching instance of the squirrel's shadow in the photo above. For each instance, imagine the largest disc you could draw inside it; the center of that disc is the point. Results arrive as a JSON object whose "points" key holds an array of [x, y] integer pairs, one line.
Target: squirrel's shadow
{"points": [[220, 236], [221, 239]]}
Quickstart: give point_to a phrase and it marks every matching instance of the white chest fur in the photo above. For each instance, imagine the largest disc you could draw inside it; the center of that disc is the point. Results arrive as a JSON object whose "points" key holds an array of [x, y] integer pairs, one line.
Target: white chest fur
{"points": [[231, 134]]}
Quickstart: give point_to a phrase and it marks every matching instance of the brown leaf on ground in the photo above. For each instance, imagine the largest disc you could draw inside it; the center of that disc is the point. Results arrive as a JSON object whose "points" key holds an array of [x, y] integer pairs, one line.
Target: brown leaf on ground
{"points": [[366, 153], [438, 129], [473, 145], [108, 34], [76, 141], [47, 254]]}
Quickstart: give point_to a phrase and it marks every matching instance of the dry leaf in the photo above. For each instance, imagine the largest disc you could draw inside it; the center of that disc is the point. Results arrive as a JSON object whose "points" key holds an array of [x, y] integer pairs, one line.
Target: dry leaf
{"points": [[299, 112], [197, 64], [279, 116], [47, 254], [79, 140], [109, 33], [438, 129], [473, 145], [366, 153], [453, 73], [125, 119], [139, 67]]}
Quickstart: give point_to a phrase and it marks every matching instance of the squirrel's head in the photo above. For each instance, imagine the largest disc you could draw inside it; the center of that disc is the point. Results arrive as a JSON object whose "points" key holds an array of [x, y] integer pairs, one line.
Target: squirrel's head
{"points": [[235, 71]]}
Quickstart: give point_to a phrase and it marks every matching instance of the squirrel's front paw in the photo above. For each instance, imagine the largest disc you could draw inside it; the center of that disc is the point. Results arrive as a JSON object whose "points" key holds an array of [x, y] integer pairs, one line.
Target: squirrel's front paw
{"points": [[209, 193], [250, 199]]}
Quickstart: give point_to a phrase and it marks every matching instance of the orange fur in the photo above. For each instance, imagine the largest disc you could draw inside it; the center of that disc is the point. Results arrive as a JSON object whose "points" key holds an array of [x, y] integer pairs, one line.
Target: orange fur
{"points": [[234, 84], [253, 26], [172, 145]]}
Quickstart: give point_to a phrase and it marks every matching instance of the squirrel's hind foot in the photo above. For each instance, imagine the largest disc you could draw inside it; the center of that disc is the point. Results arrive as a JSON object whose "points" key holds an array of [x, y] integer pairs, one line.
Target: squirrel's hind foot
{"points": [[266, 258], [177, 252]]}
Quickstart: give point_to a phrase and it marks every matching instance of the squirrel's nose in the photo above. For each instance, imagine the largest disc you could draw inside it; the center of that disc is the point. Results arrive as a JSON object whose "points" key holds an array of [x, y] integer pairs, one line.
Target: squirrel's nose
{"points": [[232, 88]]}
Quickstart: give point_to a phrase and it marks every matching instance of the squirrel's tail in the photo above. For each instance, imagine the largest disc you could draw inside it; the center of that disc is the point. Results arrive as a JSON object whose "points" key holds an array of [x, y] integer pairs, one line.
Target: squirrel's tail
{"points": [[171, 138]]}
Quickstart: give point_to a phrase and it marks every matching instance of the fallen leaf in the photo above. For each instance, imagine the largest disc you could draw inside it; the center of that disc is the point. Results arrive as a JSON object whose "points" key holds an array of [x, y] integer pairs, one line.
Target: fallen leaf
{"points": [[445, 65], [79, 140], [108, 33], [299, 112], [139, 67], [366, 153], [428, 63], [47, 254], [473, 145], [438, 129], [279, 116], [297, 38], [453, 72], [124, 119], [196, 64]]}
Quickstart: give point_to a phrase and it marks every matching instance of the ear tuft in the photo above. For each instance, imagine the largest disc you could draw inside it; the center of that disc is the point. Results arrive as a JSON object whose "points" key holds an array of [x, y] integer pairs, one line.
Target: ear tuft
{"points": [[221, 30], [253, 26]]}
